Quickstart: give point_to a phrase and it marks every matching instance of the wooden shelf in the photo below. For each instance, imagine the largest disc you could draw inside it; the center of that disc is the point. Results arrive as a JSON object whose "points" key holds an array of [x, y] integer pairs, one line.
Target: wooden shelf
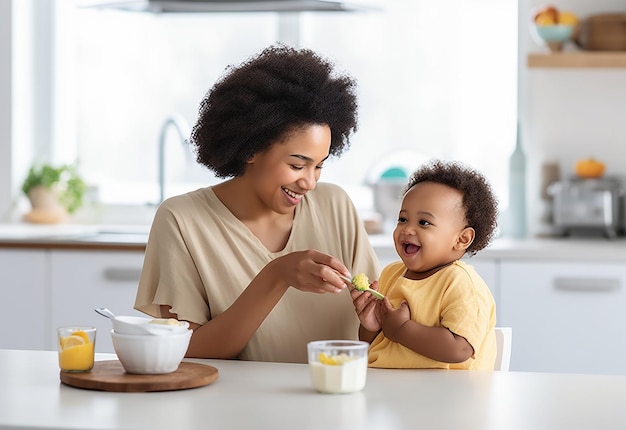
{"points": [[575, 59]]}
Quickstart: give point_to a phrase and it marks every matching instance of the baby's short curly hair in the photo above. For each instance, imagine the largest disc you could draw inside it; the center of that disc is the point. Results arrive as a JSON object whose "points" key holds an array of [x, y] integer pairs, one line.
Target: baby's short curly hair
{"points": [[257, 104], [479, 200]]}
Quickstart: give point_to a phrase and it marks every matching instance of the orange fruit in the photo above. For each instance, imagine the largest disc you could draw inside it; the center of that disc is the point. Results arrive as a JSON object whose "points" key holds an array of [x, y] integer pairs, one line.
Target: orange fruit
{"points": [[567, 18], [546, 15], [589, 168], [545, 19]]}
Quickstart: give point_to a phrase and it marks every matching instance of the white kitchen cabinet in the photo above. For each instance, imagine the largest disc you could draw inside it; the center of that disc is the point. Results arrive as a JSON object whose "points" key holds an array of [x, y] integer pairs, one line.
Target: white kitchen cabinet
{"points": [[566, 316], [81, 281], [488, 270], [23, 295]]}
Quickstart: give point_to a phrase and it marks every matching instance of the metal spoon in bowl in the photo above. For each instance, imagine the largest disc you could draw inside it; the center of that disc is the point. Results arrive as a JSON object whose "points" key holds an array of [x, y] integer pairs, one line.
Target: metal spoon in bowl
{"points": [[140, 325], [105, 312]]}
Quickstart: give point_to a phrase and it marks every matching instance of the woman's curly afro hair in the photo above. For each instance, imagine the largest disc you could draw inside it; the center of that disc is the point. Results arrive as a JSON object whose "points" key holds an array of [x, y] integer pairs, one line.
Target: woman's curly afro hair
{"points": [[257, 104], [479, 201]]}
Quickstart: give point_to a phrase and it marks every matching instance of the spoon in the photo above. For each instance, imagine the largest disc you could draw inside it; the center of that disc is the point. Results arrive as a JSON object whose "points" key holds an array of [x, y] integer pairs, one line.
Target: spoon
{"points": [[374, 293], [139, 325], [105, 312]]}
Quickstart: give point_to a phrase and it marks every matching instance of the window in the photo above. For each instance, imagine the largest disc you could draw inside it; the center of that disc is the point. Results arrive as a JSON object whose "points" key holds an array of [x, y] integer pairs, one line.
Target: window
{"points": [[432, 82]]}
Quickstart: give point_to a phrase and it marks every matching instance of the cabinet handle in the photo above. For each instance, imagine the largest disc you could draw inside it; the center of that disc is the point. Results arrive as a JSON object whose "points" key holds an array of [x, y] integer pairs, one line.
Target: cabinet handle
{"points": [[599, 285], [122, 274]]}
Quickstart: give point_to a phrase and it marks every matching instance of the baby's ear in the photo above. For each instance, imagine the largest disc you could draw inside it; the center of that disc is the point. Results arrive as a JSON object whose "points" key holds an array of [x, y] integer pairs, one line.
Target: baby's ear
{"points": [[465, 239]]}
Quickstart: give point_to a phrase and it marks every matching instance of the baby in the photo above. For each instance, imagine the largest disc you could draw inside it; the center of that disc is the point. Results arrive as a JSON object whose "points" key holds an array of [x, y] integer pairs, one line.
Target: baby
{"points": [[437, 311]]}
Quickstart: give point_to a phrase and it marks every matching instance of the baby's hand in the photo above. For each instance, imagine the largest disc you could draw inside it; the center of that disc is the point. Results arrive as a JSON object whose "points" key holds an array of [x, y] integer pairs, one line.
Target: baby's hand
{"points": [[393, 319], [365, 306]]}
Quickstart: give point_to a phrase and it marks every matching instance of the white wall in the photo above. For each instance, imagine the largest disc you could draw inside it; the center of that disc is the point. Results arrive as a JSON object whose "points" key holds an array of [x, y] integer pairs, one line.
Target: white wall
{"points": [[565, 114], [25, 118], [5, 104], [569, 114]]}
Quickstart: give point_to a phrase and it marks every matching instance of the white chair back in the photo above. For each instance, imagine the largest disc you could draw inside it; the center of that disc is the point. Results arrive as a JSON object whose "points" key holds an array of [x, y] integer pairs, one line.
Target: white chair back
{"points": [[504, 337]]}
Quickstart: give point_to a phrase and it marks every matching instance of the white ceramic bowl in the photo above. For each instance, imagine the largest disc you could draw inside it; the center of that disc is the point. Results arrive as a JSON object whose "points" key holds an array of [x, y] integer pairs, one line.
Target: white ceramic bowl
{"points": [[149, 354], [144, 325], [338, 366]]}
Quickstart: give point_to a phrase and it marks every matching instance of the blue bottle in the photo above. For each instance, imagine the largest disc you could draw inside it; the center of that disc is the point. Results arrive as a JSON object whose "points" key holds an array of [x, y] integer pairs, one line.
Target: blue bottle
{"points": [[517, 190]]}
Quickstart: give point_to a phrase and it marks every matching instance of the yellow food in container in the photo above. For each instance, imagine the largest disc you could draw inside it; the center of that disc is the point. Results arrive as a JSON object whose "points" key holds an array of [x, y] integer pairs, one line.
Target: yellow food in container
{"points": [[76, 353]]}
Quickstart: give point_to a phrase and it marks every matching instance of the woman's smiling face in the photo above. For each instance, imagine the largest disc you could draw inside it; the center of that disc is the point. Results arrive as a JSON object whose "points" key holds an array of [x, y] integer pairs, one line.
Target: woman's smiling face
{"points": [[290, 168], [430, 224]]}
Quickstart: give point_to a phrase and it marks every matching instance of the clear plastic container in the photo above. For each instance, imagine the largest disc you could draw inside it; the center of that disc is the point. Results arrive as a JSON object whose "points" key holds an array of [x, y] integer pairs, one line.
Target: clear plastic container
{"points": [[338, 366]]}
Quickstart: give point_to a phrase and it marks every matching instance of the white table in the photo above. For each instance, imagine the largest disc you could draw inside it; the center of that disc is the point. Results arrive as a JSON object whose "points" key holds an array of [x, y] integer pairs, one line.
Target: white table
{"points": [[252, 395]]}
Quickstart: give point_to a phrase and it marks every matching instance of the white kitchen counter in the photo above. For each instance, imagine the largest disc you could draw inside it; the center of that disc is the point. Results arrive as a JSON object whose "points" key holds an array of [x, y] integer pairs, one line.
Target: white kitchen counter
{"points": [[68, 235], [254, 395], [25, 231], [74, 236]]}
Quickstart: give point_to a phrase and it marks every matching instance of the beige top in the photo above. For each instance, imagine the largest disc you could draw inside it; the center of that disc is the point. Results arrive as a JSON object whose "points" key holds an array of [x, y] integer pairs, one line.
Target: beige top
{"points": [[455, 297], [200, 257]]}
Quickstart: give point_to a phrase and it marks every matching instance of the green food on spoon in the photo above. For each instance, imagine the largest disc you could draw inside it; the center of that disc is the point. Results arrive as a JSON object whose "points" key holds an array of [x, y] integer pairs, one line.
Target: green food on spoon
{"points": [[362, 283]]}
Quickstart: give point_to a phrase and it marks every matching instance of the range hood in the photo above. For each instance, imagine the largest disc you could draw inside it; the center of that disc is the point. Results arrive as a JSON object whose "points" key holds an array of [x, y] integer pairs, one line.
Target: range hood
{"points": [[214, 6]]}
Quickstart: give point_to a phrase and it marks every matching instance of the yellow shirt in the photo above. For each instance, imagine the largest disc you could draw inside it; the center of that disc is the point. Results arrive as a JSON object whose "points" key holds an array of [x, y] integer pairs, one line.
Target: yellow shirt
{"points": [[455, 297], [200, 257]]}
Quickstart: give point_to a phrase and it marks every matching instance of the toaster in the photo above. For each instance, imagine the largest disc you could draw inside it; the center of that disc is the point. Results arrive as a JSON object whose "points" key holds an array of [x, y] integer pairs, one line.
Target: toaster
{"points": [[588, 205]]}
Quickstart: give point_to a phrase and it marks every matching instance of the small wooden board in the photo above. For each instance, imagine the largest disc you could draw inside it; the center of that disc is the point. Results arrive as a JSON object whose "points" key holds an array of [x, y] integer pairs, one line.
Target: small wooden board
{"points": [[111, 376]]}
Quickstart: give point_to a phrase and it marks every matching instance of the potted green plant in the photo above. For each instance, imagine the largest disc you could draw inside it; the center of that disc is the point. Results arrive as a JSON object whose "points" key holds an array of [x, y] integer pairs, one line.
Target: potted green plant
{"points": [[53, 191]]}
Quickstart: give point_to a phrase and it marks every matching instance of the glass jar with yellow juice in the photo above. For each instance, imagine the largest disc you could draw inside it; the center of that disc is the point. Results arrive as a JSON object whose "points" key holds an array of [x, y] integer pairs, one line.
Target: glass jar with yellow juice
{"points": [[76, 348]]}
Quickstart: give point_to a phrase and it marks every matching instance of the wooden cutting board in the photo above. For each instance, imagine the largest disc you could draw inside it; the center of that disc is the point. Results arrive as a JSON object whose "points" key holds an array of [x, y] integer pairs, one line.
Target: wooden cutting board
{"points": [[111, 376]]}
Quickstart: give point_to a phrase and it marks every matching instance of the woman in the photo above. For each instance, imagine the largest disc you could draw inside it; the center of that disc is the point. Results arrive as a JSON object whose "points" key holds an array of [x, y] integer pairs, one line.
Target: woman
{"points": [[253, 263]]}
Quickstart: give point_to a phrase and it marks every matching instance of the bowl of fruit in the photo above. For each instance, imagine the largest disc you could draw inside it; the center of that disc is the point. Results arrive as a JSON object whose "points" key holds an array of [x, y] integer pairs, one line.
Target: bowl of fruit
{"points": [[553, 28]]}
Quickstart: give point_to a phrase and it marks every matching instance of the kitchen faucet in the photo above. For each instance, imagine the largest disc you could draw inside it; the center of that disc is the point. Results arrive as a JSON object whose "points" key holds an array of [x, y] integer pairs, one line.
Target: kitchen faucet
{"points": [[182, 128]]}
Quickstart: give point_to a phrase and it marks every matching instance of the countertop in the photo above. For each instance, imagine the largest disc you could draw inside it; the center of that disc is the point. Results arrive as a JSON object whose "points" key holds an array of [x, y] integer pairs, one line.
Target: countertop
{"points": [[279, 396], [134, 237], [74, 236]]}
